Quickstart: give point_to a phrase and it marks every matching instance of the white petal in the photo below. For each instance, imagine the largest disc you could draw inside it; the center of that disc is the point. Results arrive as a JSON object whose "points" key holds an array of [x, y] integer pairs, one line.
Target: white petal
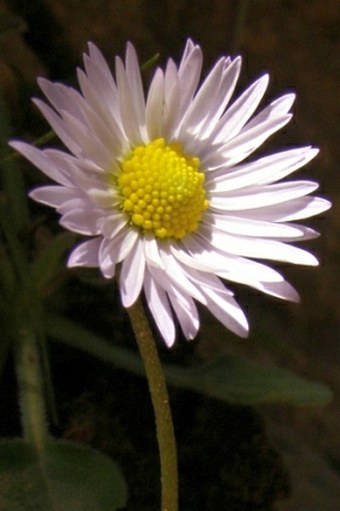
{"points": [[85, 254], [159, 306], [132, 274]]}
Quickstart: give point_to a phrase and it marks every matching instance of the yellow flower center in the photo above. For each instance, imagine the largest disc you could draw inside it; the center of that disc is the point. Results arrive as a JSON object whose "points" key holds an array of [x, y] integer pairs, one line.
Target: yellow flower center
{"points": [[162, 189]]}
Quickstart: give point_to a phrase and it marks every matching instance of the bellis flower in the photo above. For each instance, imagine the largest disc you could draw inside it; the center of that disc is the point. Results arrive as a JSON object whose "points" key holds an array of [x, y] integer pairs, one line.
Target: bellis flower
{"points": [[163, 185]]}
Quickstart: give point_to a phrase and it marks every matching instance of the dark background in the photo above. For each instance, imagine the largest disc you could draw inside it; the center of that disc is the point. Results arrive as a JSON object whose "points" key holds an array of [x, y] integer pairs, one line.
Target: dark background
{"points": [[298, 43]]}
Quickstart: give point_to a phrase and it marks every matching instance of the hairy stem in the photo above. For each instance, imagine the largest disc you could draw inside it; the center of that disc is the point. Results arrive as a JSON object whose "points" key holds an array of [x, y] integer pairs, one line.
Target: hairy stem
{"points": [[32, 402], [160, 401]]}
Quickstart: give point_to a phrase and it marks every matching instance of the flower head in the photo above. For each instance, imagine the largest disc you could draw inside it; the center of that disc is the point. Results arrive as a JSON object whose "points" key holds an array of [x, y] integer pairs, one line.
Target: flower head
{"points": [[163, 186]]}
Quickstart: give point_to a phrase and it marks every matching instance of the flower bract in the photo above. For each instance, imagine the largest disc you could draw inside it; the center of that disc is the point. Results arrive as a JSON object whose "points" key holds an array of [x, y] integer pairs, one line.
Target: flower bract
{"points": [[164, 185]]}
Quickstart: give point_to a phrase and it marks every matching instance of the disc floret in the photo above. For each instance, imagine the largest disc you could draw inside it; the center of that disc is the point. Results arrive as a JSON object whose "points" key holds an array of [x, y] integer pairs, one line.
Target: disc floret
{"points": [[162, 189]]}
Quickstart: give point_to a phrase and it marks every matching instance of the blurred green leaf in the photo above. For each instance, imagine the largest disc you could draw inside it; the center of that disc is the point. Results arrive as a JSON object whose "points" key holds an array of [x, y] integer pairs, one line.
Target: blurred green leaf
{"points": [[47, 264], [228, 378], [65, 477], [10, 233], [7, 274], [246, 382], [11, 177]]}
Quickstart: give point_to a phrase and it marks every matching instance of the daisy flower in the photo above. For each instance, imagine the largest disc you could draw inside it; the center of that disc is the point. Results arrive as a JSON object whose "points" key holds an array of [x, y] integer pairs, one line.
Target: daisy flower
{"points": [[163, 185]]}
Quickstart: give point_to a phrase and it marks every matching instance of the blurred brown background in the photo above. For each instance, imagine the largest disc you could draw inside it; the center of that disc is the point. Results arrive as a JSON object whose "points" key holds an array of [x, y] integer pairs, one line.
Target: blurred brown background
{"points": [[298, 43]]}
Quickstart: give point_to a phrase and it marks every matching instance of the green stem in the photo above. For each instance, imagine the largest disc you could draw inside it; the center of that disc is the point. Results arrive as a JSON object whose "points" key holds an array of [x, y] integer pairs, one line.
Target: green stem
{"points": [[160, 401], [31, 393]]}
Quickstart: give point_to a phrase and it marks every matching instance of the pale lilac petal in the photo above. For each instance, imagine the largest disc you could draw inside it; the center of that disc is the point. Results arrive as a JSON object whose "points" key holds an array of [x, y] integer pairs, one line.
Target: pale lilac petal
{"points": [[54, 196], [228, 82], [42, 160], [280, 106], [204, 257], [172, 101], [259, 248], [58, 125], [151, 250], [220, 302], [264, 171], [132, 274], [82, 221], [296, 209], [108, 112], [241, 110], [64, 98], [205, 98], [189, 74], [258, 228], [132, 119], [89, 142], [117, 249], [159, 306], [155, 106], [186, 313], [104, 198], [245, 143], [227, 311], [85, 254], [112, 224], [175, 273], [261, 196]]}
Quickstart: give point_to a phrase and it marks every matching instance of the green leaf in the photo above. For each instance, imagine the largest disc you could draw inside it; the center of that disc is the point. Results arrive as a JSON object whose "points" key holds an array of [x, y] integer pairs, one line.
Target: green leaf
{"points": [[65, 477], [228, 378]]}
